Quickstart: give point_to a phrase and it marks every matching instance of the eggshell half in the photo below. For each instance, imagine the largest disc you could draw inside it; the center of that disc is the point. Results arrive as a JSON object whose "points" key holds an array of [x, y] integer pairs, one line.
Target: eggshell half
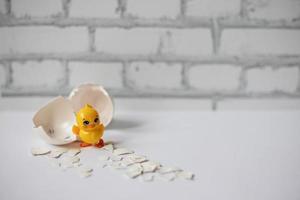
{"points": [[97, 97], [54, 122]]}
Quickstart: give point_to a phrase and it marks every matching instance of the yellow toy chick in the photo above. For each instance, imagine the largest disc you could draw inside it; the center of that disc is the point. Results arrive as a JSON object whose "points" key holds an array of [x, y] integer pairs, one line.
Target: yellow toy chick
{"points": [[88, 127]]}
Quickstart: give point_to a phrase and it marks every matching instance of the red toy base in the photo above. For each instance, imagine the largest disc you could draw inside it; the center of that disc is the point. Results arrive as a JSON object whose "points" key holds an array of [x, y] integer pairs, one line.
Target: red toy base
{"points": [[100, 144], [83, 144]]}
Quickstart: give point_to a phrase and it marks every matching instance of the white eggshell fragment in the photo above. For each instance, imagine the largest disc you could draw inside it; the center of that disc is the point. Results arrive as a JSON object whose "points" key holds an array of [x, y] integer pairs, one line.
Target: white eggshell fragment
{"points": [[166, 170], [149, 166], [148, 177], [86, 169], [102, 165], [109, 148], [134, 171], [133, 174], [55, 120], [104, 158], [85, 174], [186, 175], [66, 165], [73, 152], [56, 153], [40, 151], [117, 165], [122, 151], [70, 160], [168, 177], [115, 158], [55, 163], [97, 97]]}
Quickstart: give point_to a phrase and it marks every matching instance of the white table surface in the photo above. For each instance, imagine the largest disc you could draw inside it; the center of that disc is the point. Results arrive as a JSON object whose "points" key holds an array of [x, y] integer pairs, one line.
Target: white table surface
{"points": [[235, 155]]}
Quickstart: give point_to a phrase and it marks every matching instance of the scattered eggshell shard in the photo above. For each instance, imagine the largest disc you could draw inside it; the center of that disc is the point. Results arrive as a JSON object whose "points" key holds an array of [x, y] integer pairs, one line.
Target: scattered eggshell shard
{"points": [[102, 165], [103, 158], [86, 169], [149, 166], [56, 153], [157, 164], [133, 173], [85, 174], [135, 167], [75, 159], [122, 151], [136, 158], [55, 163], [117, 165], [109, 148], [74, 152], [78, 164], [115, 158], [67, 165], [132, 159], [168, 176], [148, 177], [36, 151], [121, 158], [63, 150], [139, 159], [166, 170], [186, 175], [127, 162], [70, 160]]}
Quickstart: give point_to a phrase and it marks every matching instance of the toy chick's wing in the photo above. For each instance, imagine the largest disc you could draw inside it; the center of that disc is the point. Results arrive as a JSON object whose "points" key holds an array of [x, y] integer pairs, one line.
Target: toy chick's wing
{"points": [[75, 130], [102, 127]]}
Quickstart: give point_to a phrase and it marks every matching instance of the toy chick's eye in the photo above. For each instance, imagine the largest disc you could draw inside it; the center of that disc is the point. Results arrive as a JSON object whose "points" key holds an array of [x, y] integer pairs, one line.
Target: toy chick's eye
{"points": [[86, 122], [96, 120]]}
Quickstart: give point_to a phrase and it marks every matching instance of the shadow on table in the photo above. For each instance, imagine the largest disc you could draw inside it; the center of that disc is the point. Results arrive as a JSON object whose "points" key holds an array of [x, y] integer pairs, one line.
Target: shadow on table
{"points": [[124, 124]]}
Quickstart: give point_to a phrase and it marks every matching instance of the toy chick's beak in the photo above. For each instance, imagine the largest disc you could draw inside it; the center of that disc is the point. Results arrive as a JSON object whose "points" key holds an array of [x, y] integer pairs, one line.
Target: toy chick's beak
{"points": [[91, 126]]}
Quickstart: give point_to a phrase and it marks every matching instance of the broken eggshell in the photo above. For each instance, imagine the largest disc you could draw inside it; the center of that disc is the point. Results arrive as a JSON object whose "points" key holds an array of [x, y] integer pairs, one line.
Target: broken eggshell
{"points": [[55, 120], [97, 97]]}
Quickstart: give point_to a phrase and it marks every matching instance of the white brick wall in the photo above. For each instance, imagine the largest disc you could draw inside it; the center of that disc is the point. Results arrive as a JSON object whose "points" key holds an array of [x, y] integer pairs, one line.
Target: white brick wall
{"points": [[109, 75], [94, 8], [36, 8], [213, 8], [260, 41], [45, 74], [259, 104], [2, 75], [268, 79], [152, 41], [2, 7], [274, 9], [123, 41], [193, 42], [213, 49], [214, 77], [43, 40], [143, 75], [153, 8]]}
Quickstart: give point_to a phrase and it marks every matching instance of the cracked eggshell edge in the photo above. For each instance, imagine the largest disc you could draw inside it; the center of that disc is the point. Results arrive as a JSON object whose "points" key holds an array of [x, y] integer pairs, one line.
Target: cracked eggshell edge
{"points": [[58, 115], [54, 122], [96, 96]]}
